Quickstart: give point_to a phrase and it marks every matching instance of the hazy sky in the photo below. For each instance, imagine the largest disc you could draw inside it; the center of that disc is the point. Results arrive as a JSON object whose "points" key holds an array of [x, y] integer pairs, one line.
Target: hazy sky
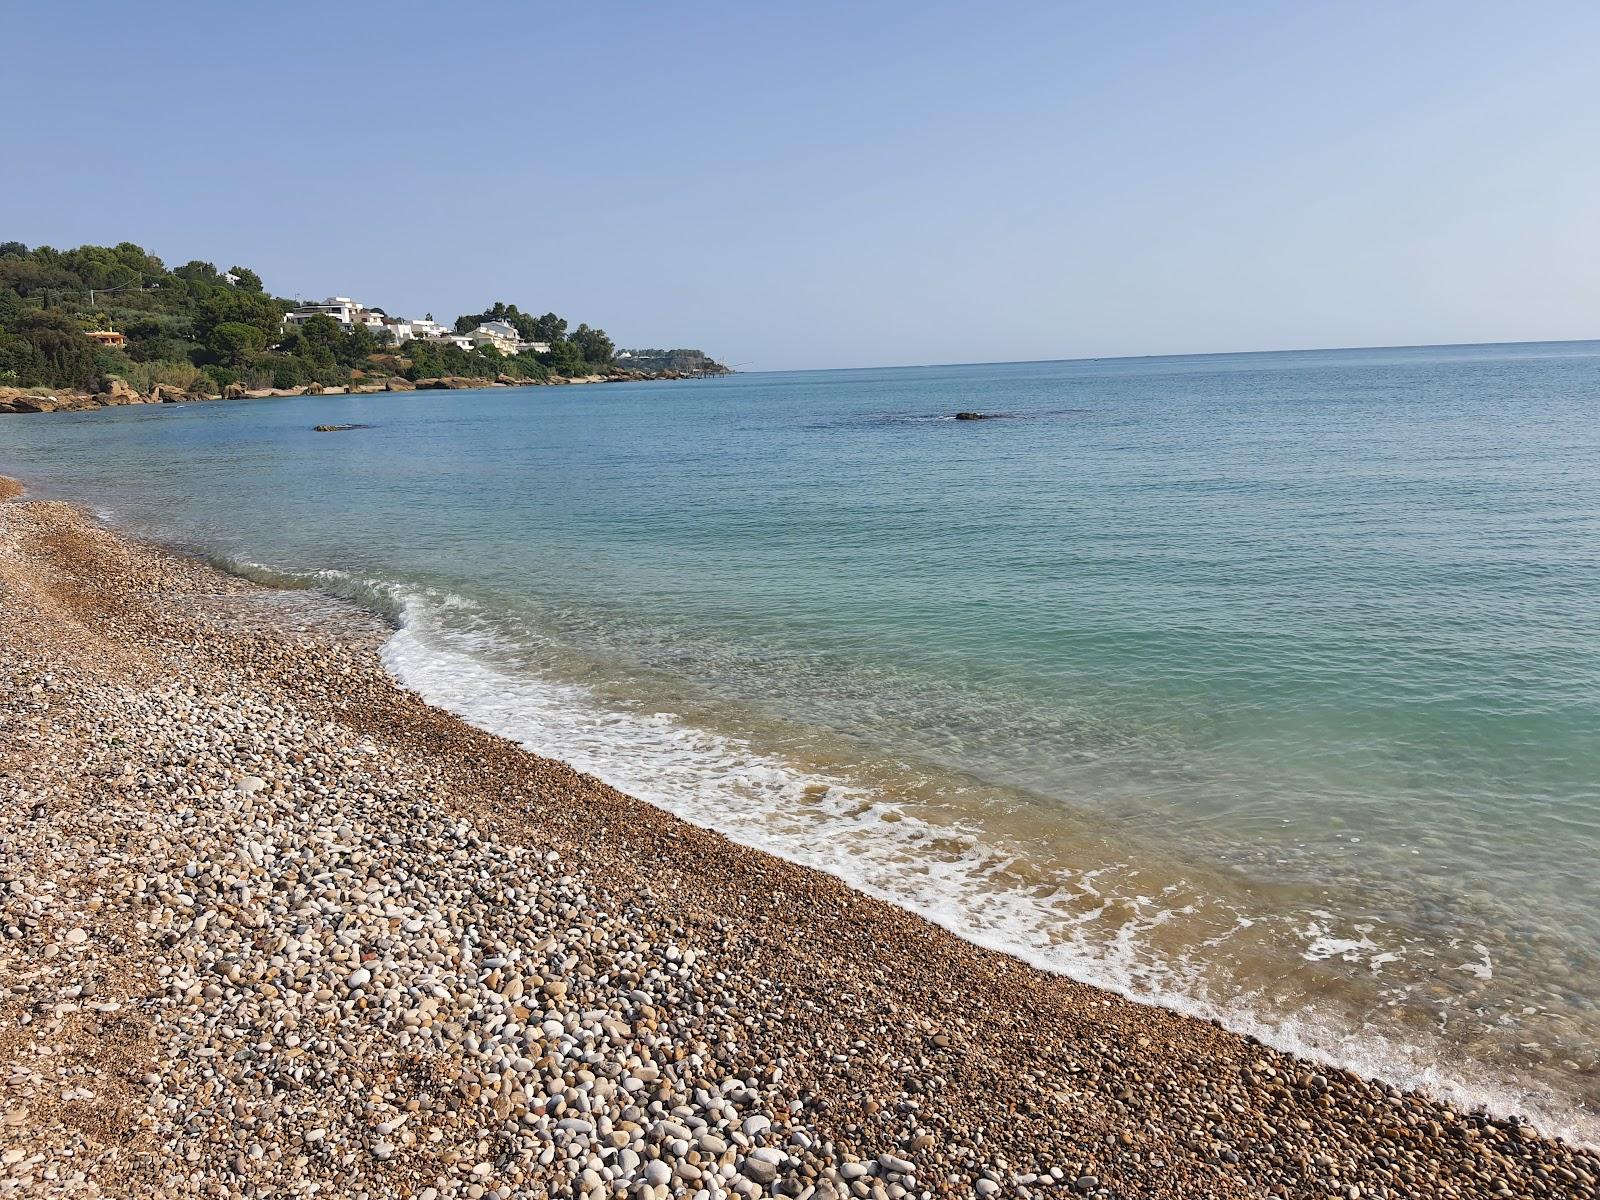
{"points": [[824, 184]]}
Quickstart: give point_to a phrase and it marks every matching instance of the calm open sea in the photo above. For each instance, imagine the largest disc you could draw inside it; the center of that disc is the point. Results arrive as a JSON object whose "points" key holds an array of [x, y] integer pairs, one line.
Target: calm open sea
{"points": [[1263, 686]]}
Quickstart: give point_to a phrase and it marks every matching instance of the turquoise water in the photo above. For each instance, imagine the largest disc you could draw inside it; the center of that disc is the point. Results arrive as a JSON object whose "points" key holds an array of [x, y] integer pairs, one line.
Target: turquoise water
{"points": [[1263, 686]]}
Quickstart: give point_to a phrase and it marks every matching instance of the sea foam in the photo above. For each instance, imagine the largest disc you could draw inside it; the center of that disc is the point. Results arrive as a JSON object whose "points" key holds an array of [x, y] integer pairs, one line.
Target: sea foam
{"points": [[867, 839]]}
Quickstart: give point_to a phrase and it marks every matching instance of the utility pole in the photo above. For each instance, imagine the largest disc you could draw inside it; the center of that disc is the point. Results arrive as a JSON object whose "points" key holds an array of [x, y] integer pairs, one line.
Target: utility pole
{"points": [[138, 277]]}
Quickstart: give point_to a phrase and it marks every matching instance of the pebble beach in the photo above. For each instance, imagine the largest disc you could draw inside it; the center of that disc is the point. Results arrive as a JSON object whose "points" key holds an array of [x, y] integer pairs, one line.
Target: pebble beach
{"points": [[270, 925]]}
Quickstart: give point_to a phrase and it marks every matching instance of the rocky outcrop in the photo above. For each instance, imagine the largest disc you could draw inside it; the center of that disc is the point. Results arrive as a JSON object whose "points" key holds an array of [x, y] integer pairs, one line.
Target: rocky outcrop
{"points": [[450, 382], [112, 391], [618, 375], [116, 390], [15, 400]]}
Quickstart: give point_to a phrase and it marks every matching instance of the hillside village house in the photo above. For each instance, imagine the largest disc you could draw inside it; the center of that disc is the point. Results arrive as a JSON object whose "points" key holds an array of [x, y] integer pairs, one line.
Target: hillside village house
{"points": [[350, 313], [107, 337], [501, 335], [341, 308], [428, 328]]}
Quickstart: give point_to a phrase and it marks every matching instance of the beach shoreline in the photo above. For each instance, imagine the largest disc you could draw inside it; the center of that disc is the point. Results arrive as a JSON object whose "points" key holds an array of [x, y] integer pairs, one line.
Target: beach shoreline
{"points": [[650, 1003], [114, 392]]}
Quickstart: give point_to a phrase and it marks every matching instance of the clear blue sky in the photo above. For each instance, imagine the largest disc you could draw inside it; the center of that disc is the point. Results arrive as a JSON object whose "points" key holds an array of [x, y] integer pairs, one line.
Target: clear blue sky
{"points": [[827, 184]]}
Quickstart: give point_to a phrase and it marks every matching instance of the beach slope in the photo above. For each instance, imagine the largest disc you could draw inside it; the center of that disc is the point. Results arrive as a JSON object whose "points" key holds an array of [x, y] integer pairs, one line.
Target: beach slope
{"points": [[273, 926]]}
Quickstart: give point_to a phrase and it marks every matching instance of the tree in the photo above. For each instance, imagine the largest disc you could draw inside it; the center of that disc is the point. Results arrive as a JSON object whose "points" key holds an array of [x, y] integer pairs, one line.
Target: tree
{"points": [[196, 271], [249, 281], [160, 348], [548, 328], [59, 354], [222, 305], [595, 345], [137, 259], [28, 277], [233, 343], [19, 360], [320, 341], [11, 306], [107, 267], [498, 311], [358, 343], [287, 372], [564, 358]]}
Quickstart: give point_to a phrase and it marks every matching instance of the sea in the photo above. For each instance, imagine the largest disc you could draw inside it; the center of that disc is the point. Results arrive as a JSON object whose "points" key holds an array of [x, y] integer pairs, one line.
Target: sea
{"points": [[1264, 687]]}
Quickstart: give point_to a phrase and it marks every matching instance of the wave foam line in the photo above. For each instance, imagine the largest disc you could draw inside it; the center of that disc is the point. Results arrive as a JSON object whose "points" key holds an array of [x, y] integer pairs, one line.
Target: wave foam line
{"points": [[834, 825]]}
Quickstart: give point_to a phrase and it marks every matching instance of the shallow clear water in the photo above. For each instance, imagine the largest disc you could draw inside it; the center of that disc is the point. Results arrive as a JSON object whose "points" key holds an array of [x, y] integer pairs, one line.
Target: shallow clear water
{"points": [[1264, 686]]}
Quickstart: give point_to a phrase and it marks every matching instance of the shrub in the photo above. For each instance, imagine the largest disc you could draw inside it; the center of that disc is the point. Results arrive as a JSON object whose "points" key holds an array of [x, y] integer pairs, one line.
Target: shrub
{"points": [[180, 375], [288, 373]]}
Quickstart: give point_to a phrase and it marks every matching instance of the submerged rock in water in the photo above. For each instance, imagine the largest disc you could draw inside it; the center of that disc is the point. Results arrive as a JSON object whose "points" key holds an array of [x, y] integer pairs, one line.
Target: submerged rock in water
{"points": [[335, 428], [971, 416]]}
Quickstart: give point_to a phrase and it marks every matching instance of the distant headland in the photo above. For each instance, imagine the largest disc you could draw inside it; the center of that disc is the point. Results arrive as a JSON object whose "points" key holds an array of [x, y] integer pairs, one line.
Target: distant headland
{"points": [[109, 325]]}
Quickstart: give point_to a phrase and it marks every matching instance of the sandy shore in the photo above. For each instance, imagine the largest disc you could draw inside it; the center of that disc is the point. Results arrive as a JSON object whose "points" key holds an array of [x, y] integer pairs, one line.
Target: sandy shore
{"points": [[273, 926]]}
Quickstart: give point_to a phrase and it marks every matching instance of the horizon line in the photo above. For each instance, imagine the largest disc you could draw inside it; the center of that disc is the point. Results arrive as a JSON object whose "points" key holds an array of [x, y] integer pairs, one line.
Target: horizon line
{"points": [[1011, 362]]}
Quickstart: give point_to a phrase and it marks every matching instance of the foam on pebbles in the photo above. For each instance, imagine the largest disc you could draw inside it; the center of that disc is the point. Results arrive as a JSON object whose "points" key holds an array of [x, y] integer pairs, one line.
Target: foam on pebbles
{"points": [[272, 927]]}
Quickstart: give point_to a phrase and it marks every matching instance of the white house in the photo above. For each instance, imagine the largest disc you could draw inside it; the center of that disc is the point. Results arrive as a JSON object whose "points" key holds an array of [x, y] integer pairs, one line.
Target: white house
{"points": [[428, 328], [534, 347], [502, 335], [341, 308], [464, 341]]}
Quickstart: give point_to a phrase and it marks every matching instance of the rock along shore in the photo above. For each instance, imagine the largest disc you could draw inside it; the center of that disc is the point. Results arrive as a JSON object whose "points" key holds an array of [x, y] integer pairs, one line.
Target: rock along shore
{"points": [[272, 926], [113, 392]]}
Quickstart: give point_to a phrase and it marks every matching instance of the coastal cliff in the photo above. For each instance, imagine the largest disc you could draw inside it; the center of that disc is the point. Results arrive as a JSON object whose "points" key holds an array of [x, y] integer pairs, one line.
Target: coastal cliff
{"points": [[272, 925]]}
